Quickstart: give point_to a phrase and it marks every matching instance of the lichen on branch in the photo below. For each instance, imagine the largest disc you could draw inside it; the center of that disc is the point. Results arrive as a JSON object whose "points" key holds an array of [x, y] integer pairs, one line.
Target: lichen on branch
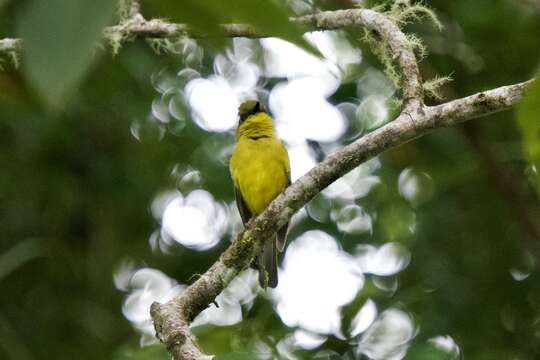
{"points": [[10, 49], [402, 13]]}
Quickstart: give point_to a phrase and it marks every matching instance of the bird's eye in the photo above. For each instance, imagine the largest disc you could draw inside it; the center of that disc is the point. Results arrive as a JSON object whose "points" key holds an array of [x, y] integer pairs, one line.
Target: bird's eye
{"points": [[244, 115]]}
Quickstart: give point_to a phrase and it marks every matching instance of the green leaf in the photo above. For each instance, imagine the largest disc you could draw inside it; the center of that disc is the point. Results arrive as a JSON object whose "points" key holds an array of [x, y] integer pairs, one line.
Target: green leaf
{"points": [[60, 39], [529, 123], [192, 13], [267, 17], [3, 3]]}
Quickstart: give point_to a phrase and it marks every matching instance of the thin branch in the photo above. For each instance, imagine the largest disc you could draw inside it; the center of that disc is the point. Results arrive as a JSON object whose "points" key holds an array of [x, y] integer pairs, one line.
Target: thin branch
{"points": [[478, 105], [172, 319], [139, 27]]}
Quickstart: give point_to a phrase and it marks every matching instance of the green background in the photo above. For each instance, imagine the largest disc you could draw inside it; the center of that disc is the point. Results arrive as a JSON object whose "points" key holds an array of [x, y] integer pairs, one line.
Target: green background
{"points": [[76, 186]]}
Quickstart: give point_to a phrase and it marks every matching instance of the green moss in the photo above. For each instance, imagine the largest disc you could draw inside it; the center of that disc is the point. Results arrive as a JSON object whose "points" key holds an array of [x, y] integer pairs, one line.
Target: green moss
{"points": [[382, 51], [11, 57], [166, 46], [401, 13], [14, 57], [123, 9], [432, 87], [417, 46], [241, 250], [115, 39]]}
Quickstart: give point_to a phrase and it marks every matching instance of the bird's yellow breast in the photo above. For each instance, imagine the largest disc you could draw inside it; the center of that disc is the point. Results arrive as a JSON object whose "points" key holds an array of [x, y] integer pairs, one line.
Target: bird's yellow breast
{"points": [[260, 170]]}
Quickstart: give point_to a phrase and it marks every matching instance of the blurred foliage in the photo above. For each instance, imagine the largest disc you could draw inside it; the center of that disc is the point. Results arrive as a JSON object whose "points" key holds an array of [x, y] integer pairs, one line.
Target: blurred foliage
{"points": [[76, 186], [204, 17], [64, 47], [529, 122]]}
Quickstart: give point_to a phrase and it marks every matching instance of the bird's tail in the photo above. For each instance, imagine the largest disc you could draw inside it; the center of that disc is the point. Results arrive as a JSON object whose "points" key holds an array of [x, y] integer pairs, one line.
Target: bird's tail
{"points": [[267, 265]]}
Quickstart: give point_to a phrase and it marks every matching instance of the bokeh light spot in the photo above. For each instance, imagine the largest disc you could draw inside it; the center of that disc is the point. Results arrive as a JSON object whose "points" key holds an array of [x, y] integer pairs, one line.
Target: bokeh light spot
{"points": [[387, 338], [196, 221], [213, 103], [385, 260], [364, 318], [352, 219], [415, 186], [448, 345], [308, 294]]}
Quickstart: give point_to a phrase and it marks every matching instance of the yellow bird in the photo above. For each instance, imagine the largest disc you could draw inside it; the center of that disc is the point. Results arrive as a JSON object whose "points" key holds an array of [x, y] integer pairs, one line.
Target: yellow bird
{"points": [[260, 170]]}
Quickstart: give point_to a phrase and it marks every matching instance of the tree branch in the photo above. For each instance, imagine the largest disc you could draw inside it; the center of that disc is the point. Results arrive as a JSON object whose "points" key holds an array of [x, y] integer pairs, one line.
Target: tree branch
{"points": [[139, 27], [478, 105], [10, 45], [172, 319]]}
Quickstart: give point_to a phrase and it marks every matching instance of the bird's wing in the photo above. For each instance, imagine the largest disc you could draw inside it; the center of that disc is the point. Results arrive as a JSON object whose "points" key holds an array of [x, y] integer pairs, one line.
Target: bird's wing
{"points": [[281, 238], [266, 262], [245, 214]]}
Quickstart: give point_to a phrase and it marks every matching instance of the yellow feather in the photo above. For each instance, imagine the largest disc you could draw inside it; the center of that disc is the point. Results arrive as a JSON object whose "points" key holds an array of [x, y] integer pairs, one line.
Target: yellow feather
{"points": [[259, 165]]}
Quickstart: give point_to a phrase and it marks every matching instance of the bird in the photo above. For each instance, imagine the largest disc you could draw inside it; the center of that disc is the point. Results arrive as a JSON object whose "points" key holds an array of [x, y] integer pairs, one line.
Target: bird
{"points": [[260, 171]]}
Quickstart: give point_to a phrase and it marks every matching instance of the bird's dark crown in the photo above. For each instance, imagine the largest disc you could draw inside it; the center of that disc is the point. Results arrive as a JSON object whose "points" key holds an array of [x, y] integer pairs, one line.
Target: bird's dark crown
{"points": [[248, 108]]}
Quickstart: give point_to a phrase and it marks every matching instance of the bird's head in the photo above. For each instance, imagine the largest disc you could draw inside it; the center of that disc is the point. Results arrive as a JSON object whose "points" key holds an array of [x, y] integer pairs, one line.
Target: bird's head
{"points": [[248, 108], [254, 120]]}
